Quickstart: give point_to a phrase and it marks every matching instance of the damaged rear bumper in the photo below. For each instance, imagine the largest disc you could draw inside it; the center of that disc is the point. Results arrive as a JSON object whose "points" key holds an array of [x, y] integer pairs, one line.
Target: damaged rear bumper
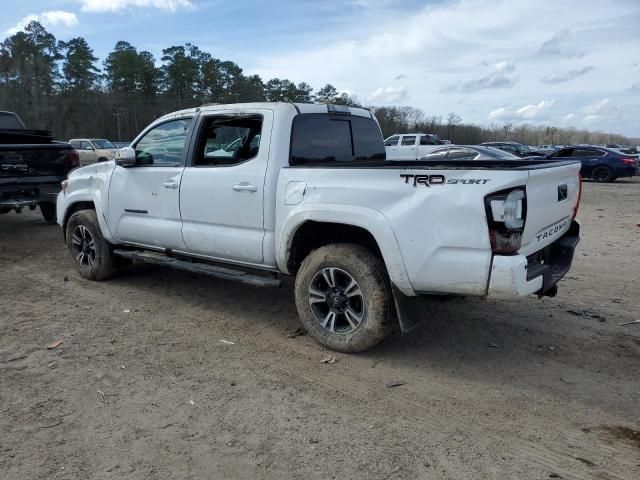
{"points": [[518, 276]]}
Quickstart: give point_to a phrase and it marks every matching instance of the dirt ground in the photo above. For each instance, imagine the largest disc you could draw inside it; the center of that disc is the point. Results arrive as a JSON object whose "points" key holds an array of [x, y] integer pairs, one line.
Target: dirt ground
{"points": [[165, 375]]}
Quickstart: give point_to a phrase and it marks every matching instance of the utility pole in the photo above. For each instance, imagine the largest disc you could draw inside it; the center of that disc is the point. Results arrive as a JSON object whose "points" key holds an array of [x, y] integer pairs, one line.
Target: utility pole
{"points": [[118, 115]]}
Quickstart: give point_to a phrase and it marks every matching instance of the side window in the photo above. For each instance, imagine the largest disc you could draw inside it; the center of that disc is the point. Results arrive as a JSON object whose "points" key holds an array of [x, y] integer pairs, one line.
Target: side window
{"points": [[408, 140], [507, 148], [428, 140], [391, 141], [228, 140], [164, 144], [84, 145], [367, 138], [76, 145], [462, 154], [436, 155], [564, 153], [320, 139], [586, 152]]}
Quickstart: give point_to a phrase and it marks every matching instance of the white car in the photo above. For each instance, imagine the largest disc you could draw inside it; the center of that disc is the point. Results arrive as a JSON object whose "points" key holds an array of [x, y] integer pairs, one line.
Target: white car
{"points": [[92, 150], [314, 197], [410, 146]]}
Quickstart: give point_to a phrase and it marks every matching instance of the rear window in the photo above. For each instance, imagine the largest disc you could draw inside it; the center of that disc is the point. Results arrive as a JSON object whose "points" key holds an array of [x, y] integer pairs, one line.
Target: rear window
{"points": [[318, 138], [10, 121]]}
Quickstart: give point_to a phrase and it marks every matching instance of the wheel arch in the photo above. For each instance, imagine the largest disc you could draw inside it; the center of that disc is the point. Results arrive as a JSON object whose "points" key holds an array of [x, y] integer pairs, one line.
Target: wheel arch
{"points": [[304, 231]]}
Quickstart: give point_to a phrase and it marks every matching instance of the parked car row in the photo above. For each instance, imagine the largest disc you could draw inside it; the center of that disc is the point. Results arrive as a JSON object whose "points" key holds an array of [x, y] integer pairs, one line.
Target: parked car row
{"points": [[599, 163]]}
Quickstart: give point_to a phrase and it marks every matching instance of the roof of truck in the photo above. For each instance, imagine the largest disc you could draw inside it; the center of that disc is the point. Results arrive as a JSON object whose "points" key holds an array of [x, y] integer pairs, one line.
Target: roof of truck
{"points": [[300, 107]]}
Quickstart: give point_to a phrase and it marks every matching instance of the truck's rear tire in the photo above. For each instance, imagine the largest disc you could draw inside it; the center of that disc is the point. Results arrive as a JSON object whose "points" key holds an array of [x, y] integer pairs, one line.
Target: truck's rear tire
{"points": [[343, 297], [91, 253], [48, 210]]}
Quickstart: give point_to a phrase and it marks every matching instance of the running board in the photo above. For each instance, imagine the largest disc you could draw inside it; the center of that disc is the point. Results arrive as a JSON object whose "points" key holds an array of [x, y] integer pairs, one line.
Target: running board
{"points": [[199, 268]]}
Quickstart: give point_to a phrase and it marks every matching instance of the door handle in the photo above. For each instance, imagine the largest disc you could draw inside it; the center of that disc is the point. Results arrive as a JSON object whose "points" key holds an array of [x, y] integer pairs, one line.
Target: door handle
{"points": [[171, 184], [245, 187]]}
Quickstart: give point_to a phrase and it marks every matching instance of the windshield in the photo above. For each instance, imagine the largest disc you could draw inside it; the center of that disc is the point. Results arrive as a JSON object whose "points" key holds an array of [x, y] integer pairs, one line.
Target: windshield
{"points": [[101, 143]]}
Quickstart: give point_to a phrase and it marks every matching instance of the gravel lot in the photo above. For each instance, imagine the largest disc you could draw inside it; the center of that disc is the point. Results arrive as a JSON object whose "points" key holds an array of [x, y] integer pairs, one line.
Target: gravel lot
{"points": [[162, 374]]}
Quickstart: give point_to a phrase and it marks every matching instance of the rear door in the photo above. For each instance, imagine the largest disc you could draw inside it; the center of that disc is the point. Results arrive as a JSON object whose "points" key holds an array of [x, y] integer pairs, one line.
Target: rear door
{"points": [[222, 191], [408, 148], [589, 157], [552, 196]]}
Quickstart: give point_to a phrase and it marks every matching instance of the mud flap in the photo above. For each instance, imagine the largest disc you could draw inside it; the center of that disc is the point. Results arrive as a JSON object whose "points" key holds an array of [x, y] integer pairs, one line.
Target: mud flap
{"points": [[407, 310]]}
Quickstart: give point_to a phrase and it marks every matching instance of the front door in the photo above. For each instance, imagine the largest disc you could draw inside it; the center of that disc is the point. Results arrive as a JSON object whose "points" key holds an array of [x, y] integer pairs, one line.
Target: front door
{"points": [[144, 199], [408, 149], [222, 192]]}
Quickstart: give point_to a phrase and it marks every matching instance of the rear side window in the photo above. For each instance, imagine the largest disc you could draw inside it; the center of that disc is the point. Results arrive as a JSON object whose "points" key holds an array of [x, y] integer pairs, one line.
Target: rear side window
{"points": [[10, 122], [408, 140], [436, 155], [428, 140], [586, 152], [318, 138], [564, 153], [462, 154]]}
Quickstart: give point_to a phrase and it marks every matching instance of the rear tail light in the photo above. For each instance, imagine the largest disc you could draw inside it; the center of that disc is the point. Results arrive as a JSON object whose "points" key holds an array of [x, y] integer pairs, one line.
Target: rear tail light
{"points": [[577, 207], [506, 216], [74, 159], [628, 160]]}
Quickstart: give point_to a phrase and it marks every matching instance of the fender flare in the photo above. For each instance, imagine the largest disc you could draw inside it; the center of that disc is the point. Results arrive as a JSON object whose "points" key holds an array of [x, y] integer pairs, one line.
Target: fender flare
{"points": [[368, 219]]}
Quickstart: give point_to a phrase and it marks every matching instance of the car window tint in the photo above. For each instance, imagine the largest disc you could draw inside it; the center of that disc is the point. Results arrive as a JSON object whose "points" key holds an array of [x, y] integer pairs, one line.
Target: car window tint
{"points": [[584, 152], [428, 140], [436, 155], [564, 153], [408, 140], [367, 144], [9, 121], [228, 140], [392, 141], [321, 139], [86, 146], [462, 154], [76, 145], [163, 145]]}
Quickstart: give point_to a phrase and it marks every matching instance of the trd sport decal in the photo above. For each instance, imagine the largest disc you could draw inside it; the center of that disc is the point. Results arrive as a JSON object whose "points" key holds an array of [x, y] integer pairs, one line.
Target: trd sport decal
{"points": [[428, 180]]}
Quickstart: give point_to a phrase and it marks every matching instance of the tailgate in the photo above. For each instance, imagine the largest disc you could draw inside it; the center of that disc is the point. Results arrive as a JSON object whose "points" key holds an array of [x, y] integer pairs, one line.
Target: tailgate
{"points": [[552, 196], [23, 161]]}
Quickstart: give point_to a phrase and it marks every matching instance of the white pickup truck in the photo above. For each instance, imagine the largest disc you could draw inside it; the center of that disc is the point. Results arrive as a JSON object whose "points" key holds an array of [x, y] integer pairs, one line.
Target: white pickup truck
{"points": [[410, 146], [307, 191]]}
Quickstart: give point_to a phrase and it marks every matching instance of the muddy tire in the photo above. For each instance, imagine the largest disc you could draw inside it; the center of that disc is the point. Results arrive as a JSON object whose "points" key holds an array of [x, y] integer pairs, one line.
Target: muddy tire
{"points": [[343, 297], [602, 174], [48, 210], [91, 253]]}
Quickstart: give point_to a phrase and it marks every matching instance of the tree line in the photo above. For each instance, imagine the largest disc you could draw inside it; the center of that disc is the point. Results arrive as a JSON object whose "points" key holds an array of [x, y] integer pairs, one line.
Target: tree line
{"points": [[60, 85]]}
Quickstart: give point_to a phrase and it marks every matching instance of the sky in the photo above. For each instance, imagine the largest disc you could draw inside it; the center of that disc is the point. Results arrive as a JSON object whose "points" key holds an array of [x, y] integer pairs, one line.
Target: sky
{"points": [[570, 63]]}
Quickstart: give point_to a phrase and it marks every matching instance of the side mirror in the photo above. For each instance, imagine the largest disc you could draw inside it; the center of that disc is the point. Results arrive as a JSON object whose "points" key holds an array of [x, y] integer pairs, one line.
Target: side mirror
{"points": [[89, 147], [125, 157]]}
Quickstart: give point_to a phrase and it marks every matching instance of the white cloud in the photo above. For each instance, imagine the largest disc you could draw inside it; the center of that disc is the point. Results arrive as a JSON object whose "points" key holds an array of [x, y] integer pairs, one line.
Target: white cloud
{"points": [[554, 78], [561, 44], [48, 19], [388, 95], [119, 5], [598, 107], [498, 78], [526, 113]]}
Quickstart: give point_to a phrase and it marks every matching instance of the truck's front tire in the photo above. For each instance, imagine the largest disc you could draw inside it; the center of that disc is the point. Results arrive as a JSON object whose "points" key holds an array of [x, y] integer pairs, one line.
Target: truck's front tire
{"points": [[91, 253], [343, 297]]}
